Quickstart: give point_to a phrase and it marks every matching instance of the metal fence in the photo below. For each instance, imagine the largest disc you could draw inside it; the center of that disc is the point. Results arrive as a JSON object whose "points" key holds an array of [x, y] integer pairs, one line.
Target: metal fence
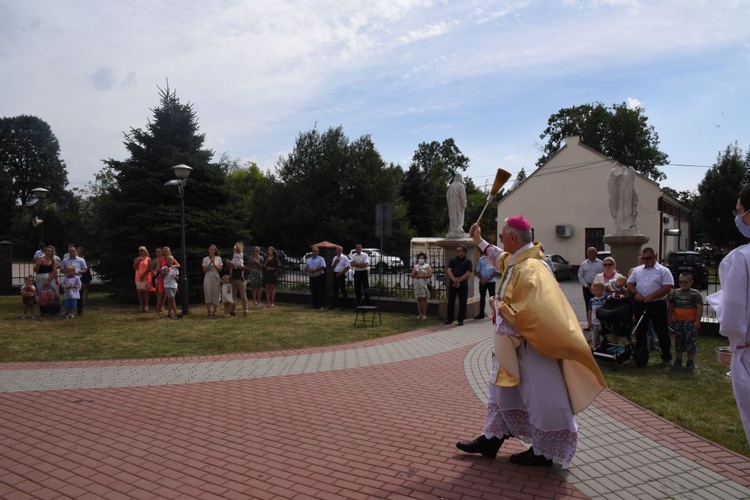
{"points": [[395, 282], [709, 315], [21, 269]]}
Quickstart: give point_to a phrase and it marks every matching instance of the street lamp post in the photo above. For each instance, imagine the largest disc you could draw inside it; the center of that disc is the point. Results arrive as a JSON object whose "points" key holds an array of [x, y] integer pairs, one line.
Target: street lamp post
{"points": [[40, 194], [182, 172]]}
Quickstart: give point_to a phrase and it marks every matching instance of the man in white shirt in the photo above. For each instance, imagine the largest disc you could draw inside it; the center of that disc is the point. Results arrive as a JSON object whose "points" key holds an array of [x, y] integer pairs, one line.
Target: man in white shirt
{"points": [[360, 262], [340, 266], [649, 284], [40, 253], [587, 271], [315, 267]]}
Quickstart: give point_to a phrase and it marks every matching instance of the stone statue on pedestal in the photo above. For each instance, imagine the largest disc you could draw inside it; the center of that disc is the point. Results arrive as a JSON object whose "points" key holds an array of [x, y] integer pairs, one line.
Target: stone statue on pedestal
{"points": [[456, 197], [623, 200]]}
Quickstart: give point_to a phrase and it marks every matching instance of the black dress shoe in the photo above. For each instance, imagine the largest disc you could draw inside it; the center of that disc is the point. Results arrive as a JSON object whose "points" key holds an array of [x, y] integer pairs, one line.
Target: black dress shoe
{"points": [[487, 447], [460, 323], [528, 458], [448, 322], [479, 316]]}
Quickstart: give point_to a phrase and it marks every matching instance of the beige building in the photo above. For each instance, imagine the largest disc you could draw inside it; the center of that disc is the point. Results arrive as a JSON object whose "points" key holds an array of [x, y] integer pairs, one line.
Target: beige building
{"points": [[566, 201]]}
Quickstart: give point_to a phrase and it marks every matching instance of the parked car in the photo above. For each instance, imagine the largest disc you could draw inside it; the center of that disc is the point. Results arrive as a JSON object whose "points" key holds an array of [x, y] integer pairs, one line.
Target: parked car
{"points": [[692, 262], [287, 261], [380, 261], [303, 260], [602, 254], [560, 267]]}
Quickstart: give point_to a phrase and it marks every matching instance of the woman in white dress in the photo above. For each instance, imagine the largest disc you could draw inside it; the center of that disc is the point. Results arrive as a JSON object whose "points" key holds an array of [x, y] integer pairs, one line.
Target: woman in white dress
{"points": [[212, 280]]}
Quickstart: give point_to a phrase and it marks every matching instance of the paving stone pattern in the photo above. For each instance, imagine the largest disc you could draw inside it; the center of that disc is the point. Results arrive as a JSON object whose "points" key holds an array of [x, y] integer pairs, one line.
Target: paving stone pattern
{"points": [[377, 419]]}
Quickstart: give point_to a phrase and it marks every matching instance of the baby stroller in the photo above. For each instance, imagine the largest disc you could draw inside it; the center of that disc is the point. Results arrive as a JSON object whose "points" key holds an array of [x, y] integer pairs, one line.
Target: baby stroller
{"points": [[616, 317]]}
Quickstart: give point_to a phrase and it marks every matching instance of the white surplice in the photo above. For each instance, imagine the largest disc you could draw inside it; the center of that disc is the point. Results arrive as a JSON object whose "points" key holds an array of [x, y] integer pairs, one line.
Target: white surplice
{"points": [[731, 304]]}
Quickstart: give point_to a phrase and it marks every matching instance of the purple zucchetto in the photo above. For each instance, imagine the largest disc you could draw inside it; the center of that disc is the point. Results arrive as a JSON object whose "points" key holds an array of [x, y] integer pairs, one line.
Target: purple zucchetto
{"points": [[518, 222]]}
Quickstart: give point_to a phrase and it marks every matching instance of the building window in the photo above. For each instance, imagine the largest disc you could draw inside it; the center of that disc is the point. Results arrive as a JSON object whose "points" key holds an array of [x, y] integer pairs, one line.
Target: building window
{"points": [[594, 238]]}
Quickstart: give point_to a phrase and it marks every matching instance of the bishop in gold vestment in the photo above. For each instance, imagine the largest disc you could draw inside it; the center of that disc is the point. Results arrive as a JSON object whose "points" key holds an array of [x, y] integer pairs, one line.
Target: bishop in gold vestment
{"points": [[543, 370]]}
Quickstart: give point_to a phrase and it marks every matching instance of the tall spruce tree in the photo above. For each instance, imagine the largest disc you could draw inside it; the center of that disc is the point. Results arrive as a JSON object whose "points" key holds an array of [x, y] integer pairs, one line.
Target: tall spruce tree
{"points": [[133, 208]]}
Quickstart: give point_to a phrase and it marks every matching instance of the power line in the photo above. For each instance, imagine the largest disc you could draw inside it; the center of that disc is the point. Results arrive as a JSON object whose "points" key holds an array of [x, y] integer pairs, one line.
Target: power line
{"points": [[576, 166]]}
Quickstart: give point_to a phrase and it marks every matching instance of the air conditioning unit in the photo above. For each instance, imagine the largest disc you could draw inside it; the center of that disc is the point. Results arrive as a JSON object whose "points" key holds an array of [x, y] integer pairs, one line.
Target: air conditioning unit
{"points": [[563, 231]]}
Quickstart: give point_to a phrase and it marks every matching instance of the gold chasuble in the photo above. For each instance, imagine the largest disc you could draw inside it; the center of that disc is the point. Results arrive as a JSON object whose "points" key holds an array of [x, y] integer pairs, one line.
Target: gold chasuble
{"points": [[534, 305]]}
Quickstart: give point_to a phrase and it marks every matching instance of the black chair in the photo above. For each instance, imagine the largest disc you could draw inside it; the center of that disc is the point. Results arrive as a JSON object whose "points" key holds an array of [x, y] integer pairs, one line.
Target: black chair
{"points": [[370, 305]]}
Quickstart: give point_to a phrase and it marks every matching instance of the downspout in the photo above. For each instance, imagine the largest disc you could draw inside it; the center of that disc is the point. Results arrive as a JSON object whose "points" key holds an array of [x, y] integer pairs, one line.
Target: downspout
{"points": [[661, 228]]}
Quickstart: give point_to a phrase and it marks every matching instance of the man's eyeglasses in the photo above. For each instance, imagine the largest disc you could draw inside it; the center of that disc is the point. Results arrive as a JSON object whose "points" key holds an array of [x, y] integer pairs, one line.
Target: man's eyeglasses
{"points": [[644, 259]]}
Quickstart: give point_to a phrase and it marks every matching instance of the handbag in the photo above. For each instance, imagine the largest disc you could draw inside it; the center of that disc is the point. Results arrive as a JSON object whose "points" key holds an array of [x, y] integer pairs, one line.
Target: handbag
{"points": [[46, 297]]}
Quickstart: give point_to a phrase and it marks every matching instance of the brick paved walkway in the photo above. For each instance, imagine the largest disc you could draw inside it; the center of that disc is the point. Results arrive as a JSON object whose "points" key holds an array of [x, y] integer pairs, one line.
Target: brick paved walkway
{"points": [[376, 419]]}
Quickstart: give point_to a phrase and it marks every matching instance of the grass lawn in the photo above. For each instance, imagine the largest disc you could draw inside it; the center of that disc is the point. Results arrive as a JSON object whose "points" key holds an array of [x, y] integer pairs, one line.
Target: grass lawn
{"points": [[701, 401], [114, 331]]}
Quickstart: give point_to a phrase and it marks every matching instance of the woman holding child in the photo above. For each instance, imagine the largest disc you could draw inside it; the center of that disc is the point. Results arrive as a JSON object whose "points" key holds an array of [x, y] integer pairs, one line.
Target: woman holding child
{"points": [[212, 280], [46, 271], [609, 277], [256, 276]]}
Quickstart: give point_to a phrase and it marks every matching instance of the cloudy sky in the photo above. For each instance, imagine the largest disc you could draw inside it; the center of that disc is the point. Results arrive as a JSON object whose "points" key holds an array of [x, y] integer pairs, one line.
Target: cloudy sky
{"points": [[486, 73]]}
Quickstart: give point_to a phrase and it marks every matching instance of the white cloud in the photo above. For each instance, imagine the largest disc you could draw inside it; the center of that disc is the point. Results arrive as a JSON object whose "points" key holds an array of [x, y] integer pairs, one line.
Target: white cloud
{"points": [[429, 31], [404, 70], [633, 103]]}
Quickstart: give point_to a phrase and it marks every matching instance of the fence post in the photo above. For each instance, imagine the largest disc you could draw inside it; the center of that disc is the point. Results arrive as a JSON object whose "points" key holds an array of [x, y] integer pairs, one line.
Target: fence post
{"points": [[6, 268]]}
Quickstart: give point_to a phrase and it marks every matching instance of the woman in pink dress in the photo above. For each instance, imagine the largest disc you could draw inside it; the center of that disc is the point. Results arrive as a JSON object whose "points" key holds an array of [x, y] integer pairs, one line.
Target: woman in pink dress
{"points": [[143, 278]]}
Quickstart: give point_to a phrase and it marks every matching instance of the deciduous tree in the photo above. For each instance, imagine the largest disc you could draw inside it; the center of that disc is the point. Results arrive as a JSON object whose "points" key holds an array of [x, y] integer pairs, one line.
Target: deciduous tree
{"points": [[618, 132], [30, 156], [328, 188], [717, 197]]}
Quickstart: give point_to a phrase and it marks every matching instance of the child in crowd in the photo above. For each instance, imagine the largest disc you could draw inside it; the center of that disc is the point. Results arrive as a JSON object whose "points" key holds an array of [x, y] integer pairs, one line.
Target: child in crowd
{"points": [[72, 289], [595, 302], [238, 257], [619, 287], [28, 297], [170, 274], [685, 313], [226, 295]]}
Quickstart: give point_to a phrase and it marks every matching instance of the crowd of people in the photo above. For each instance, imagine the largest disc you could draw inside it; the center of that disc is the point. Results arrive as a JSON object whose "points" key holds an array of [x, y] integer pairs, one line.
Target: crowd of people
{"points": [[661, 312], [224, 281], [62, 284]]}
